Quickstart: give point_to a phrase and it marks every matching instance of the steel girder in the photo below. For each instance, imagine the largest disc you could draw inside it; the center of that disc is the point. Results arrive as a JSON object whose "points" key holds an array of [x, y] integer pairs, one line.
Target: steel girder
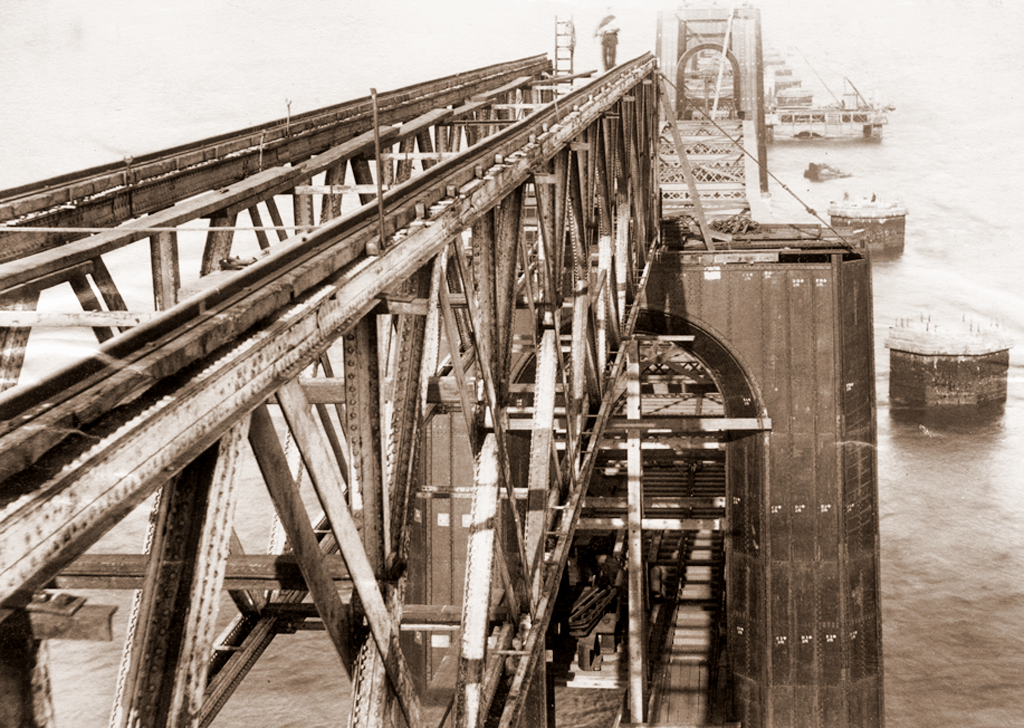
{"points": [[317, 323]]}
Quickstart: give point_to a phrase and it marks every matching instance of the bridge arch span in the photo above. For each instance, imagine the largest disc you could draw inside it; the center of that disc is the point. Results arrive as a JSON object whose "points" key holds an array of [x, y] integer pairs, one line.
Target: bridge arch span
{"points": [[680, 75], [725, 365], [747, 495]]}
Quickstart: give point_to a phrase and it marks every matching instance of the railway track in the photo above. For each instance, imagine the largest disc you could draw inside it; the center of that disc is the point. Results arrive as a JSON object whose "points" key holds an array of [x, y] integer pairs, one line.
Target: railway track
{"points": [[110, 194]]}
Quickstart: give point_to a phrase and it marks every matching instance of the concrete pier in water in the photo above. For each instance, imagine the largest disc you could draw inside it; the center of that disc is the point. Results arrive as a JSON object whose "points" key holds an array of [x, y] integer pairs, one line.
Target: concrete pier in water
{"points": [[934, 365], [881, 225]]}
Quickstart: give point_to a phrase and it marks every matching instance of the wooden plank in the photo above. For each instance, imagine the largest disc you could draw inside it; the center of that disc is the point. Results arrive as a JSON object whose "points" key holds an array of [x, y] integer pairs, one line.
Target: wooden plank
{"points": [[688, 424], [241, 571], [278, 135], [421, 616], [410, 155], [237, 195], [335, 189], [421, 123], [445, 391], [519, 106], [218, 242], [87, 297], [425, 143], [13, 340], [166, 269], [652, 503], [500, 90], [275, 217], [257, 223], [106, 286], [362, 175], [90, 622], [615, 523]]}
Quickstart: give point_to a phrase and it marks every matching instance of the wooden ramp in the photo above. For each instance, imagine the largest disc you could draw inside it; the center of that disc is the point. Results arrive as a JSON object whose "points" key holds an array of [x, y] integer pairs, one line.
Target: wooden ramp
{"points": [[593, 708], [680, 690], [681, 682]]}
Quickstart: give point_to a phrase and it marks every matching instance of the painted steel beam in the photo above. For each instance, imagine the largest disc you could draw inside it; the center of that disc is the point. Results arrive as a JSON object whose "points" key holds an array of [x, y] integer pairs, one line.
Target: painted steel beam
{"points": [[615, 523], [284, 493], [312, 257], [181, 580], [250, 571], [689, 424], [477, 591], [540, 460], [330, 487], [637, 593]]}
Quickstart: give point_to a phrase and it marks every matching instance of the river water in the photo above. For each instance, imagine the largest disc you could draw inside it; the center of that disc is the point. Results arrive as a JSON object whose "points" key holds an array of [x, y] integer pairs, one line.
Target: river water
{"points": [[79, 88]]}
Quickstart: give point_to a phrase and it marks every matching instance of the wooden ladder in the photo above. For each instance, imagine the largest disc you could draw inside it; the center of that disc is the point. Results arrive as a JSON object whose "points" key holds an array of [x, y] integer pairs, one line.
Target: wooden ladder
{"points": [[565, 46]]}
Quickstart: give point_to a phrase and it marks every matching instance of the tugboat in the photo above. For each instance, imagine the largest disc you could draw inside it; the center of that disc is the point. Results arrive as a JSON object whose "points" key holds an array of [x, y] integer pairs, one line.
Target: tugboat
{"points": [[822, 172]]}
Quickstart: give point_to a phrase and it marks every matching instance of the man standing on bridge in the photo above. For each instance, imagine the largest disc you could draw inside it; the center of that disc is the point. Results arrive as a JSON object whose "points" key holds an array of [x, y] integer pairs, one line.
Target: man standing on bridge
{"points": [[608, 30]]}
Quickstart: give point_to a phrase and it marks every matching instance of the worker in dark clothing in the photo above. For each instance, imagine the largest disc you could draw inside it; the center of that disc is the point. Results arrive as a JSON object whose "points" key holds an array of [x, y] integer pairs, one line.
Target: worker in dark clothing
{"points": [[608, 31]]}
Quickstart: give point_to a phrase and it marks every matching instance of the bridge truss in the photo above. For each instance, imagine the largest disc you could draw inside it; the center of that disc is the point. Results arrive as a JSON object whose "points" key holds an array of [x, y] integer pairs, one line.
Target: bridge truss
{"points": [[511, 245]]}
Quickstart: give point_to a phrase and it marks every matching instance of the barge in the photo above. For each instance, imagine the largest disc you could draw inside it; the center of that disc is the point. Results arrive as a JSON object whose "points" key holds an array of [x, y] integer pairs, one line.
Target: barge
{"points": [[852, 118]]}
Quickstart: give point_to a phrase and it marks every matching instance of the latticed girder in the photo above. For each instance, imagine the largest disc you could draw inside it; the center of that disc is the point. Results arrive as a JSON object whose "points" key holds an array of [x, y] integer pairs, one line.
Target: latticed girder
{"points": [[341, 345]]}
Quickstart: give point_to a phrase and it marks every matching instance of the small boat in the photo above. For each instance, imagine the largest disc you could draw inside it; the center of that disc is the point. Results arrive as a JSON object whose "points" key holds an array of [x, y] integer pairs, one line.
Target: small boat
{"points": [[822, 172]]}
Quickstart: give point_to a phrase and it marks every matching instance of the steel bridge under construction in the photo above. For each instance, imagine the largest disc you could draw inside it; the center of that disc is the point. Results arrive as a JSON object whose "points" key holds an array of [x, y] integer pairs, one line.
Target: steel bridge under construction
{"points": [[460, 338]]}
